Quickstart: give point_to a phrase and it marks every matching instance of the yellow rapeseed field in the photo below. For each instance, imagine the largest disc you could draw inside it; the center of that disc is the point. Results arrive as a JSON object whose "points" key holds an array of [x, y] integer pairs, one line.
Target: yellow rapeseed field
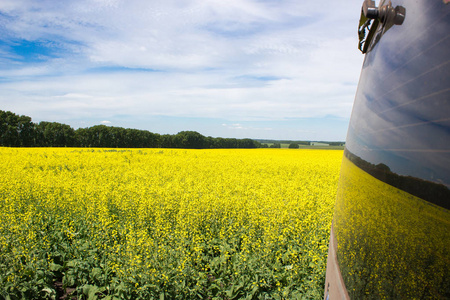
{"points": [[165, 223]]}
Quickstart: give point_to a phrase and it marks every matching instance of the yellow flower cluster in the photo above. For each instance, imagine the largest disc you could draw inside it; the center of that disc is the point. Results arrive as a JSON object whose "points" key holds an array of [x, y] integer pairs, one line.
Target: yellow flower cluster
{"points": [[164, 222]]}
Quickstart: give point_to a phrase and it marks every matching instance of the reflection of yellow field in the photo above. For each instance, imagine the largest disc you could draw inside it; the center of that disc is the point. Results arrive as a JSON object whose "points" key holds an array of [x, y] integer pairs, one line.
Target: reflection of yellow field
{"points": [[186, 224], [391, 245]]}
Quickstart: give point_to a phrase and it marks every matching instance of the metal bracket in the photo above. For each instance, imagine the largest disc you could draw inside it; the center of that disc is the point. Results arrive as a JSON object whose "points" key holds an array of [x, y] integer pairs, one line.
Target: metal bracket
{"points": [[371, 16]]}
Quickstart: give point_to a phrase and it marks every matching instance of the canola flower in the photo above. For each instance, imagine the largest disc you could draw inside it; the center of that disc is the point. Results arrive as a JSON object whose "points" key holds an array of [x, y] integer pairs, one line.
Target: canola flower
{"points": [[165, 223]]}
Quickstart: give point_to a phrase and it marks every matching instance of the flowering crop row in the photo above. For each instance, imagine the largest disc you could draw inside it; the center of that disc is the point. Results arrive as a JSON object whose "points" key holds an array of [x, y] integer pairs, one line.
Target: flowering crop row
{"points": [[165, 223]]}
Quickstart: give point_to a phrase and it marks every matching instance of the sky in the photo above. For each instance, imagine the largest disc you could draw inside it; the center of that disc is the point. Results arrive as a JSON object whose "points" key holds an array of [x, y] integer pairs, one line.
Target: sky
{"points": [[263, 69]]}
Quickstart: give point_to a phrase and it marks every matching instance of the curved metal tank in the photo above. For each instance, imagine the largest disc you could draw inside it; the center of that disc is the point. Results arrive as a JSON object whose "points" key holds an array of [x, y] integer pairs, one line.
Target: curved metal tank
{"points": [[390, 236]]}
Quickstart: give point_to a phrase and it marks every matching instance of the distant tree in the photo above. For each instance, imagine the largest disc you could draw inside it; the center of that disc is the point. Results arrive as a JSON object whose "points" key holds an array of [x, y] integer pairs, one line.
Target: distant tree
{"points": [[189, 140], [53, 134], [26, 130], [118, 137], [15, 130], [247, 143], [151, 139], [264, 146], [9, 135], [294, 146], [167, 141], [275, 145], [219, 143], [19, 131], [135, 138], [231, 143], [141, 138], [100, 136], [209, 142], [82, 137]]}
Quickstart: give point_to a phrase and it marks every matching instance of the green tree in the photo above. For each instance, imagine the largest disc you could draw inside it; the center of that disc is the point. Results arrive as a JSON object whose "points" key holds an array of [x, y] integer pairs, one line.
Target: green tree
{"points": [[166, 141], [141, 139], [15, 130], [231, 143], [189, 140], [294, 146], [19, 131], [219, 143], [53, 134], [248, 143]]}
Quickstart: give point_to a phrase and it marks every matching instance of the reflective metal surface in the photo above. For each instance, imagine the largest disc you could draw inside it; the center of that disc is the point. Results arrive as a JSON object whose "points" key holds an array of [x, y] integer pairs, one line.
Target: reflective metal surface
{"points": [[392, 217], [401, 115], [391, 245]]}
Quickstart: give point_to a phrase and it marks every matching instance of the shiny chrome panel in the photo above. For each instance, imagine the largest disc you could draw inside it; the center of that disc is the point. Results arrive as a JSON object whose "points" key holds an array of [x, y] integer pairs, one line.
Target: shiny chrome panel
{"points": [[392, 215]]}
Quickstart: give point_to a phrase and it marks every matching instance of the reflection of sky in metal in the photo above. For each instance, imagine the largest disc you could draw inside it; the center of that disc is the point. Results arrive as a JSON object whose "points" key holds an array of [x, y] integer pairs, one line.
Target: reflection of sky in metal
{"points": [[401, 115]]}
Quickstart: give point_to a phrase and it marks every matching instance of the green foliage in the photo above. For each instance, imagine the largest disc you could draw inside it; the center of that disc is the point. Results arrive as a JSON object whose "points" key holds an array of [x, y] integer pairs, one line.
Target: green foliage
{"points": [[189, 140], [165, 224], [52, 134], [19, 131], [116, 137], [15, 130]]}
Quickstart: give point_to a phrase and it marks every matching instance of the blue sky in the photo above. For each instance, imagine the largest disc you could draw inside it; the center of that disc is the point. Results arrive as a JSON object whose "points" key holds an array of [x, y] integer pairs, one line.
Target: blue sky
{"points": [[272, 69]]}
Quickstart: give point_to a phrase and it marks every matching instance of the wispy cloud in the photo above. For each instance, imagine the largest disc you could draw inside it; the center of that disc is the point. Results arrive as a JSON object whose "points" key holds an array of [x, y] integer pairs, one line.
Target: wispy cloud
{"points": [[238, 126]]}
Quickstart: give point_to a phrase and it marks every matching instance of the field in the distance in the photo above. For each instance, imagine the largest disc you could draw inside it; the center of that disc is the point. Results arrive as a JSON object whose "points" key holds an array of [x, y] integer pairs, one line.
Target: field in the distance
{"points": [[165, 223], [286, 146]]}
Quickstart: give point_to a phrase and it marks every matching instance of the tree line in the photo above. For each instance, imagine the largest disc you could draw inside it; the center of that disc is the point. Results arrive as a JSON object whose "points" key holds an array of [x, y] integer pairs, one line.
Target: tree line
{"points": [[20, 131]]}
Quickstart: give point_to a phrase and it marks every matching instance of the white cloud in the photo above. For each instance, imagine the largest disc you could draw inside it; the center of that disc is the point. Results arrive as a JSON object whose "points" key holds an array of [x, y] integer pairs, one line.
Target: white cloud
{"points": [[238, 126], [234, 60]]}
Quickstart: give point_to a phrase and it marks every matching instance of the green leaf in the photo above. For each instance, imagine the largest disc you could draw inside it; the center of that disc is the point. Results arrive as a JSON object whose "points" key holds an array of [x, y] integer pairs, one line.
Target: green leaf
{"points": [[55, 267], [234, 292], [96, 272], [71, 263], [91, 291]]}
